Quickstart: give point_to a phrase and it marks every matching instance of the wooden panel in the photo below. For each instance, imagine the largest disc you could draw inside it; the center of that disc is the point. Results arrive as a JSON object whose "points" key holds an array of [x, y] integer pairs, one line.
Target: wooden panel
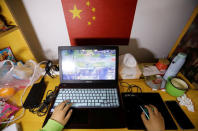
{"points": [[18, 45], [6, 13], [8, 31], [194, 14], [13, 37], [23, 21]]}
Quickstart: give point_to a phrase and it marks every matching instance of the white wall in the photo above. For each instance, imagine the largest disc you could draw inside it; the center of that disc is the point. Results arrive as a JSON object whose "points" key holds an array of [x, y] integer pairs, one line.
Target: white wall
{"points": [[157, 24], [49, 24]]}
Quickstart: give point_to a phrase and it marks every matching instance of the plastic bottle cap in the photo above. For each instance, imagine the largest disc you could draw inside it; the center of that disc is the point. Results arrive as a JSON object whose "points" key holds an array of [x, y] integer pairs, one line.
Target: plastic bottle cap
{"points": [[182, 55]]}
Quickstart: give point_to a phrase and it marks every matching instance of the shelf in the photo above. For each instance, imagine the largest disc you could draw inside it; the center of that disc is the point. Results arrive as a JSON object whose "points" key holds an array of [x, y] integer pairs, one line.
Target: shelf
{"points": [[3, 33], [13, 37]]}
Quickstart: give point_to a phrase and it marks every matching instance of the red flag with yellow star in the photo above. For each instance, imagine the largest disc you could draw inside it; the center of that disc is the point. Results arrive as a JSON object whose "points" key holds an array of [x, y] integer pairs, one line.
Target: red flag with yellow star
{"points": [[99, 21]]}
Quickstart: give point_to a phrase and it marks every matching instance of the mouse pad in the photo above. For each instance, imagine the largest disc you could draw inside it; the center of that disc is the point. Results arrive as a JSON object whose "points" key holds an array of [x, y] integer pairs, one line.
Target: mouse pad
{"points": [[133, 112]]}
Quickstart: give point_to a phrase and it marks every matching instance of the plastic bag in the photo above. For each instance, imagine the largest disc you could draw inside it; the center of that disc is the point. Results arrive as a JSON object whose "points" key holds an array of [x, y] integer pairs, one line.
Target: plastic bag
{"points": [[128, 68], [15, 77], [30, 71]]}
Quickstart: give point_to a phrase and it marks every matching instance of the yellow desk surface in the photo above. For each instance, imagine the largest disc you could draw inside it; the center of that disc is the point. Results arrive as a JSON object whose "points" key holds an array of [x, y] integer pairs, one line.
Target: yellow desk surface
{"points": [[31, 122]]}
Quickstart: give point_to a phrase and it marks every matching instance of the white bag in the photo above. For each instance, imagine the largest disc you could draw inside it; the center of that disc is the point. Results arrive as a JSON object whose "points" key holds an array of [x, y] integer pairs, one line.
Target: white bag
{"points": [[128, 68], [19, 76]]}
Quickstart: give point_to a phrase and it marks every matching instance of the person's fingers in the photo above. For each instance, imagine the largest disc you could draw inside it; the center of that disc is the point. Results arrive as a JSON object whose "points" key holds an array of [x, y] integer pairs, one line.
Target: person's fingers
{"points": [[66, 108], [149, 110], [154, 108], [55, 108], [145, 121], [62, 104], [68, 116]]}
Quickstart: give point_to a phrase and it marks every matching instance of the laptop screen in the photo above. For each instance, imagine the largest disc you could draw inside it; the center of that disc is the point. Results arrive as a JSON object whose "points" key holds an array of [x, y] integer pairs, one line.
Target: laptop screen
{"points": [[88, 64]]}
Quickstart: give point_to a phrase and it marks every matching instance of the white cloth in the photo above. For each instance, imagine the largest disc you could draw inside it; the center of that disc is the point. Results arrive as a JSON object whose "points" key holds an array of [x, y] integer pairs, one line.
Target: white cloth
{"points": [[185, 101]]}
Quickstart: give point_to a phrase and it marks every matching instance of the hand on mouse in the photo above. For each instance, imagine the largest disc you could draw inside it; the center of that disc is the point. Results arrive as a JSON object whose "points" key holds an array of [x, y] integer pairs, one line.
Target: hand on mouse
{"points": [[60, 111], [156, 121]]}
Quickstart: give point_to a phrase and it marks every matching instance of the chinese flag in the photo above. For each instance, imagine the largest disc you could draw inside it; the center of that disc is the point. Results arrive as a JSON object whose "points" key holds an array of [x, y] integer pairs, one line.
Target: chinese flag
{"points": [[99, 21]]}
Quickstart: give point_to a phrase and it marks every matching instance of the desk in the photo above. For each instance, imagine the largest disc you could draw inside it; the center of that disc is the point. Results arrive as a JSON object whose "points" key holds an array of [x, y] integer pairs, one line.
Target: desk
{"points": [[31, 122]]}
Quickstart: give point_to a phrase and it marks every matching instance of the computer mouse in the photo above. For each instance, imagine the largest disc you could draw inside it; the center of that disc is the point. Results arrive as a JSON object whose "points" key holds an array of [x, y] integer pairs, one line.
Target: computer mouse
{"points": [[145, 110]]}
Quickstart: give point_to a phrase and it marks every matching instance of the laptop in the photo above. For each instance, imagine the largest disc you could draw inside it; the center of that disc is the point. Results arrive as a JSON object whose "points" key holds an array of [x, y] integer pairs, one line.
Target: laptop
{"points": [[89, 79]]}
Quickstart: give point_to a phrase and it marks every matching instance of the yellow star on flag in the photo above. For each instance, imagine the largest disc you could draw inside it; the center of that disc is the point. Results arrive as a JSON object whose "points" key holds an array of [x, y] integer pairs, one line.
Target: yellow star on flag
{"points": [[93, 9], [89, 23], [93, 18], [76, 12], [88, 3]]}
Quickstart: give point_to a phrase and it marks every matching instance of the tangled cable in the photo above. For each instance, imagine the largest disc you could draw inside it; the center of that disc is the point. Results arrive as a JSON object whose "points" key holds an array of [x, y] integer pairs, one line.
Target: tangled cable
{"points": [[130, 87], [42, 109]]}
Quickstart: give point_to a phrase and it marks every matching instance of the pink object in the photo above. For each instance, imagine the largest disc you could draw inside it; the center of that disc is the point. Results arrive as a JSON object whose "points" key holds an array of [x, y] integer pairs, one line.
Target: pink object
{"points": [[8, 111]]}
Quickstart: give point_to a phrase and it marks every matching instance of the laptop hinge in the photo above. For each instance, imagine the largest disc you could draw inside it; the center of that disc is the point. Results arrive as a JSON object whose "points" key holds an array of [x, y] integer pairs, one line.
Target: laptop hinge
{"points": [[88, 85]]}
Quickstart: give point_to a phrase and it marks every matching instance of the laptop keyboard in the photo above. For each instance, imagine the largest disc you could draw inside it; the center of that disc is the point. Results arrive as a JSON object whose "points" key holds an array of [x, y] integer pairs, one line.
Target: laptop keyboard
{"points": [[89, 98]]}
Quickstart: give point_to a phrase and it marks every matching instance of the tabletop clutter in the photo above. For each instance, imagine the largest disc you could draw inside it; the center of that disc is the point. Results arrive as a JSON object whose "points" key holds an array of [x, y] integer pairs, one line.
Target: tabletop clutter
{"points": [[14, 76], [158, 76]]}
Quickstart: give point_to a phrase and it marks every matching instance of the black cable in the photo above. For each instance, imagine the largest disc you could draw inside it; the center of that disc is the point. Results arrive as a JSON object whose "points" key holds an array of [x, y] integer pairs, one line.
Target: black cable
{"points": [[130, 87], [42, 109], [44, 106]]}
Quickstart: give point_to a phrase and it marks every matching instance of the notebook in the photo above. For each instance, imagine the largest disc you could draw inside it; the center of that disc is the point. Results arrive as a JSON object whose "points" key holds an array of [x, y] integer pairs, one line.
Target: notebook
{"points": [[89, 79]]}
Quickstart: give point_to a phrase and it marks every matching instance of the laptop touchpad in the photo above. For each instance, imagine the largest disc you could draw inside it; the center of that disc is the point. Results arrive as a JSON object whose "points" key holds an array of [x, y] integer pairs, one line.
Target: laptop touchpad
{"points": [[79, 119], [104, 118]]}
